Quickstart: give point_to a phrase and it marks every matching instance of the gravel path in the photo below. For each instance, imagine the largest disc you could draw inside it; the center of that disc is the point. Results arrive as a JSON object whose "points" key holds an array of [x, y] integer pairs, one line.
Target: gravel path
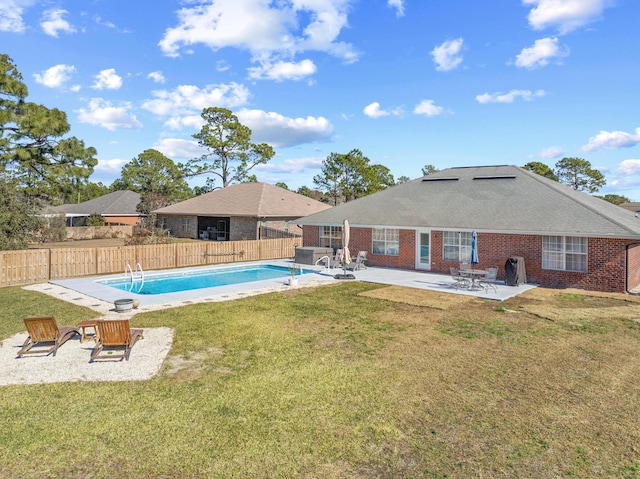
{"points": [[71, 362]]}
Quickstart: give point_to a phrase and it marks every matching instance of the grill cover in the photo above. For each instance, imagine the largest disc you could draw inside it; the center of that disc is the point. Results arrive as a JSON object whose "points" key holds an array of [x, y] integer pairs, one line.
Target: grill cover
{"points": [[514, 272]]}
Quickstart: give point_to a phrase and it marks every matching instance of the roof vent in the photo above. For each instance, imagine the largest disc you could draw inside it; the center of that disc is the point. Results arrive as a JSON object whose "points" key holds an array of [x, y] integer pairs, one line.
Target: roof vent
{"points": [[442, 178], [495, 177]]}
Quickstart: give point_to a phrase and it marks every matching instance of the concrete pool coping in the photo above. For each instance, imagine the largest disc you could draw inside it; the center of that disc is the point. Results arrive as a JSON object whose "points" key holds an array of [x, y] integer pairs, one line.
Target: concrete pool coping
{"points": [[88, 292]]}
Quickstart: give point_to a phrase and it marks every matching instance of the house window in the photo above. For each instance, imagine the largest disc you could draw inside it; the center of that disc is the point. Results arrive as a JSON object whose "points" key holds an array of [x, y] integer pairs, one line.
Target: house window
{"points": [[162, 223], [564, 253], [331, 236], [456, 246], [386, 241], [186, 225]]}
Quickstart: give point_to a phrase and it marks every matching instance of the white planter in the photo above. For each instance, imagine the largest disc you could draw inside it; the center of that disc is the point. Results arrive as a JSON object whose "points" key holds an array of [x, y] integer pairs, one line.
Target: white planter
{"points": [[293, 281]]}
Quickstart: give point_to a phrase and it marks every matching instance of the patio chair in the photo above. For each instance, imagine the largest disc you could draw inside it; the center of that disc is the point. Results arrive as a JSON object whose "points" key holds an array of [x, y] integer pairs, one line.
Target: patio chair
{"points": [[336, 262], [464, 266], [359, 262], [489, 279], [45, 333], [115, 334], [459, 281]]}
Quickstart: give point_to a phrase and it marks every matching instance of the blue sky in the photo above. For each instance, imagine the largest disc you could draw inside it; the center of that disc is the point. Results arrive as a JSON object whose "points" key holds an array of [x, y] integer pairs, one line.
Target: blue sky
{"points": [[408, 82]]}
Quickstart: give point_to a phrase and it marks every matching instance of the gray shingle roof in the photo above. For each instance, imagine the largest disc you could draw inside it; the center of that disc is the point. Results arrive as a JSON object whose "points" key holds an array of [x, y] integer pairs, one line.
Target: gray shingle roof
{"points": [[247, 199], [118, 203], [505, 199]]}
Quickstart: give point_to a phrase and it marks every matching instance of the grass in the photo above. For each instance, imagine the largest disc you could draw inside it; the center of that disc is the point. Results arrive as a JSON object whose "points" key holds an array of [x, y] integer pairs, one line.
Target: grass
{"points": [[347, 381]]}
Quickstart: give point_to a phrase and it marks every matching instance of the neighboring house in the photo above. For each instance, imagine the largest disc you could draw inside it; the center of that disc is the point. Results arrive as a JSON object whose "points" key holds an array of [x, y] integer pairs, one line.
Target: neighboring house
{"points": [[631, 206], [567, 238], [239, 212], [117, 208]]}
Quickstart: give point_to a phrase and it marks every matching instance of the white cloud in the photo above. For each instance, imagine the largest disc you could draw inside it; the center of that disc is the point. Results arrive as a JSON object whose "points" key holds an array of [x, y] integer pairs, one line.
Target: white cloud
{"points": [[293, 166], [281, 131], [398, 5], [177, 148], [55, 76], [373, 110], [188, 99], [539, 55], [426, 107], [629, 167], [110, 166], [549, 153], [53, 23], [194, 122], [282, 70], [270, 31], [108, 79], [103, 113], [613, 140], [447, 55], [156, 76], [565, 15], [11, 15], [526, 95]]}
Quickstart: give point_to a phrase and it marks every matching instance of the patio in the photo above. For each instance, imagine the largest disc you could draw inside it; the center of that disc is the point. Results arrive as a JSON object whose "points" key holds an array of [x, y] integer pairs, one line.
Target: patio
{"points": [[87, 292]]}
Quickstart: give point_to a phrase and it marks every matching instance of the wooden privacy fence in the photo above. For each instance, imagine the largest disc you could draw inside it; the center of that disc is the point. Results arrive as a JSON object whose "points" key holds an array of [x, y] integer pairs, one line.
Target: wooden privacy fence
{"points": [[38, 265]]}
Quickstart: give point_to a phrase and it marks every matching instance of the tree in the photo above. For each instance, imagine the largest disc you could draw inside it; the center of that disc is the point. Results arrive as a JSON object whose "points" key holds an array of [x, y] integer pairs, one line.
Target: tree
{"points": [[20, 222], [157, 178], [346, 177], [282, 185], [208, 187], [403, 179], [578, 174], [429, 169], [33, 149], [541, 169], [615, 199], [228, 142]]}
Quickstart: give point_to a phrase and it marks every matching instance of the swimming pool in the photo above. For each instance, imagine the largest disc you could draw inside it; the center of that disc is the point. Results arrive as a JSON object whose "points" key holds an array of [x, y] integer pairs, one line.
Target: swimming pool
{"points": [[174, 282]]}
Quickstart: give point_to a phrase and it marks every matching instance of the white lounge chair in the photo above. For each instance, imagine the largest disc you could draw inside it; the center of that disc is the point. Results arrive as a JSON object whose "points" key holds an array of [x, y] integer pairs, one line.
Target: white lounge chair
{"points": [[359, 262]]}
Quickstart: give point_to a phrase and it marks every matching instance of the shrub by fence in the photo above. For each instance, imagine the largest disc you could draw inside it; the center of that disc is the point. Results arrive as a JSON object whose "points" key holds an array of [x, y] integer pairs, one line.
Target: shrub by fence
{"points": [[38, 265]]}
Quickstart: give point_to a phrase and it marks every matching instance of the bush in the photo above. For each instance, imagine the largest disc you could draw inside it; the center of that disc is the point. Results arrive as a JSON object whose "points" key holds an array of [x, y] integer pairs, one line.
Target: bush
{"points": [[95, 219]]}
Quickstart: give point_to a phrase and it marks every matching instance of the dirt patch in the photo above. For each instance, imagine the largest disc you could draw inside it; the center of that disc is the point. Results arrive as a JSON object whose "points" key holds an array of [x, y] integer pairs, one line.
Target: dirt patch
{"points": [[547, 293], [418, 297]]}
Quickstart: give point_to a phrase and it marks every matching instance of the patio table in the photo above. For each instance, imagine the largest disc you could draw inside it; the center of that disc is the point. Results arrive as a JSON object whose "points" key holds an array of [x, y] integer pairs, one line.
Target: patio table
{"points": [[475, 275]]}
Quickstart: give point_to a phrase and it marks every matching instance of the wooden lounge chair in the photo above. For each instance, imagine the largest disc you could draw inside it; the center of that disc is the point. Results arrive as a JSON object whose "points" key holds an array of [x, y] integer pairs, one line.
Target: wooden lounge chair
{"points": [[45, 333], [115, 334]]}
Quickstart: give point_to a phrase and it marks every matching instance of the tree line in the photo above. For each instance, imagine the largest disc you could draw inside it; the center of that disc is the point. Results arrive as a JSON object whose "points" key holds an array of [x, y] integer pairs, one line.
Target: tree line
{"points": [[40, 165]]}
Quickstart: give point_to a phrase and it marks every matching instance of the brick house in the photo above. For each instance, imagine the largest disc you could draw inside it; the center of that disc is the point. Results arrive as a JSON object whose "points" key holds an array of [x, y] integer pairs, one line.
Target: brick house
{"points": [[567, 238], [245, 211], [117, 208]]}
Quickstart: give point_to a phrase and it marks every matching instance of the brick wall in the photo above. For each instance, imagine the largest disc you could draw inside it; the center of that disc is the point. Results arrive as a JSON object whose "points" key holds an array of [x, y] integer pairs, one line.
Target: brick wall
{"points": [[606, 258], [242, 228]]}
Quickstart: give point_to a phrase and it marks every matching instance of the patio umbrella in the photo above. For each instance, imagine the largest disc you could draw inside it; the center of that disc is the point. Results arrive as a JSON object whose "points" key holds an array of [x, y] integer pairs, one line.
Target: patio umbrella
{"points": [[346, 254], [345, 259], [474, 249]]}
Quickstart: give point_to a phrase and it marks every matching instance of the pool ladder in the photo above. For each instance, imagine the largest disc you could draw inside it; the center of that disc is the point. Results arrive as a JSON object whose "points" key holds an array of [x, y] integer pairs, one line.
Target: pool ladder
{"points": [[138, 274]]}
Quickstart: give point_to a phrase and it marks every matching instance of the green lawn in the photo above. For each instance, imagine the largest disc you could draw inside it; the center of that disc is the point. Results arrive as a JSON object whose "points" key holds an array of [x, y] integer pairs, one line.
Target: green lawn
{"points": [[336, 382]]}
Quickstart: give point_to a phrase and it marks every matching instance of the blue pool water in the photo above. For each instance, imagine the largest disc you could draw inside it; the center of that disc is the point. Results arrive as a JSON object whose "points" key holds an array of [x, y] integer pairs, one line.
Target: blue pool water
{"points": [[174, 282]]}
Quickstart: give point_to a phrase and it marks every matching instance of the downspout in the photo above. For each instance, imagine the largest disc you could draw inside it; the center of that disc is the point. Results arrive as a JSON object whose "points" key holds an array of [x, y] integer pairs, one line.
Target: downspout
{"points": [[626, 269]]}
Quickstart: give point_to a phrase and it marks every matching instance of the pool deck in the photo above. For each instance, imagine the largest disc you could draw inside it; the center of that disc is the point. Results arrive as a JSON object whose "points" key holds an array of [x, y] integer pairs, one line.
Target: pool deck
{"points": [[88, 292]]}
